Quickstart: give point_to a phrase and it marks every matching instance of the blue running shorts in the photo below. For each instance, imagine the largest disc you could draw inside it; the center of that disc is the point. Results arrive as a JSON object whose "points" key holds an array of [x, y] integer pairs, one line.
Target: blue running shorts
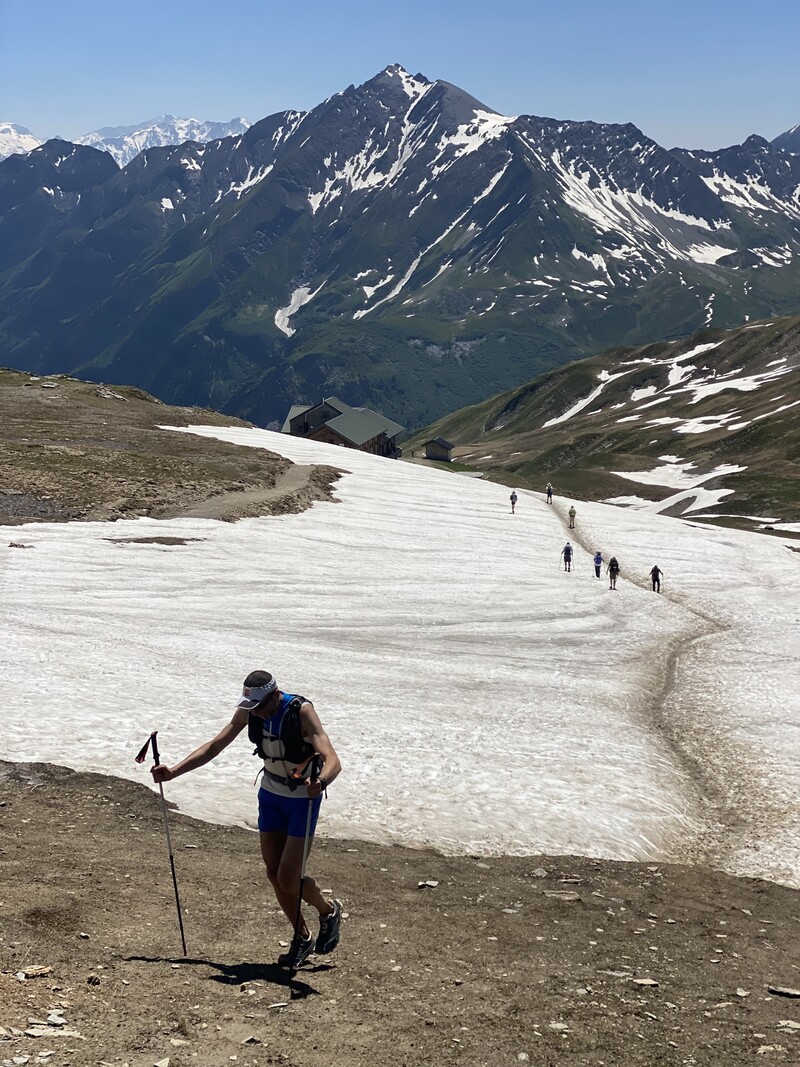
{"points": [[286, 814]]}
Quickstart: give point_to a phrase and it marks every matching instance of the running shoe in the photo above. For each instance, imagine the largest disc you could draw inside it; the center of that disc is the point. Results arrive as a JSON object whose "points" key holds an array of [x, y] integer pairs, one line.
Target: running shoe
{"points": [[298, 953], [329, 929]]}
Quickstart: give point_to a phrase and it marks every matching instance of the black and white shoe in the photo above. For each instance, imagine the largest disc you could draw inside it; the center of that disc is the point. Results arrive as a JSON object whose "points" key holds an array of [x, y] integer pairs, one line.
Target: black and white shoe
{"points": [[329, 927], [298, 953]]}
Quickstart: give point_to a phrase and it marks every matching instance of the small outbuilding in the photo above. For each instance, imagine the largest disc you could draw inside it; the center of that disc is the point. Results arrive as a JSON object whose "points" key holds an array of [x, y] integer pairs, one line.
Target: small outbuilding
{"points": [[438, 448]]}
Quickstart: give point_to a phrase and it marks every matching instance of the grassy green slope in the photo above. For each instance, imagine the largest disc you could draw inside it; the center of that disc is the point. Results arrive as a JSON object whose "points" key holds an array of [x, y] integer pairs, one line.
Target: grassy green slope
{"points": [[756, 428]]}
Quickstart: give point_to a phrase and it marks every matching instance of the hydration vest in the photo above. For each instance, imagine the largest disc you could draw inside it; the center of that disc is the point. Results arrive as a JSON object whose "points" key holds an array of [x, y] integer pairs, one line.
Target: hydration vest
{"points": [[279, 741]]}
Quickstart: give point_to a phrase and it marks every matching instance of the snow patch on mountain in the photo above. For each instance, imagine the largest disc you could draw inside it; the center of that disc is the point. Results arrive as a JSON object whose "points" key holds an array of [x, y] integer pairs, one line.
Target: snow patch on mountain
{"points": [[748, 384], [679, 475], [631, 214], [406, 277], [707, 253], [414, 87], [299, 297], [581, 404], [752, 195], [239, 188], [471, 136], [774, 257], [680, 380], [595, 259]]}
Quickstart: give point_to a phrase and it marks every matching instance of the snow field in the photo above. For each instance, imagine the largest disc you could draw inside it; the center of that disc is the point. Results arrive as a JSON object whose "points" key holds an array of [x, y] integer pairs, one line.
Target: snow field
{"points": [[481, 699]]}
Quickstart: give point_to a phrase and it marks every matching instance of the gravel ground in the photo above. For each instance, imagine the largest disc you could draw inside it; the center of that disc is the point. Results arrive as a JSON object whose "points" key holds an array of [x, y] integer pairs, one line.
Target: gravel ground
{"points": [[503, 960]]}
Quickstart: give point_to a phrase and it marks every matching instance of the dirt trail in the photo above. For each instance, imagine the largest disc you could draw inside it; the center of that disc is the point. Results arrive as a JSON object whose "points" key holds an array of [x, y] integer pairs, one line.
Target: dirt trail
{"points": [[249, 501]]}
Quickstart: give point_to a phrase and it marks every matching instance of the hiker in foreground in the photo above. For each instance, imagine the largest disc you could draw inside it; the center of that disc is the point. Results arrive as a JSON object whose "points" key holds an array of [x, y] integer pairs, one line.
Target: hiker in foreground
{"points": [[598, 562], [566, 552], [613, 572], [513, 499], [655, 575], [299, 765]]}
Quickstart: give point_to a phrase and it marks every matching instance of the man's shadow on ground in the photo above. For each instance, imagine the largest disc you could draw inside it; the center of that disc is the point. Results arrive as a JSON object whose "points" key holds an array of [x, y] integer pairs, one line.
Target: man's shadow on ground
{"points": [[241, 973]]}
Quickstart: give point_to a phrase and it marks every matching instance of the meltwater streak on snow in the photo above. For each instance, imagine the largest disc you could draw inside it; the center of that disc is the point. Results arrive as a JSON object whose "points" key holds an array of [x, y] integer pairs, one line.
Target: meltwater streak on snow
{"points": [[482, 700]]}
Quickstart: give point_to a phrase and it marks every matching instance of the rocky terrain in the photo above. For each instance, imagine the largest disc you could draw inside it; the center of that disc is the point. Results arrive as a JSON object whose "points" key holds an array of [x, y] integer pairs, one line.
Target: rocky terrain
{"points": [[80, 450]]}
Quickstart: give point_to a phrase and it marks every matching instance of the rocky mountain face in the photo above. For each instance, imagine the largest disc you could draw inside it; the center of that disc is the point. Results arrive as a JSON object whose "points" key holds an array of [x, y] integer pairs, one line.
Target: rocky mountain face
{"points": [[789, 141], [401, 245]]}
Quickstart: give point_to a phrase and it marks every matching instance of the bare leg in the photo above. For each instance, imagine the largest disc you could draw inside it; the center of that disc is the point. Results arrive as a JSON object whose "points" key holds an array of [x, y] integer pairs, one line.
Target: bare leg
{"points": [[283, 857]]}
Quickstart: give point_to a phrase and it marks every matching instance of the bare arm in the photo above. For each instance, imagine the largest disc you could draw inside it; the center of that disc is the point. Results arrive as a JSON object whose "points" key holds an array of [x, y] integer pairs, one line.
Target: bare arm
{"points": [[314, 733], [205, 753]]}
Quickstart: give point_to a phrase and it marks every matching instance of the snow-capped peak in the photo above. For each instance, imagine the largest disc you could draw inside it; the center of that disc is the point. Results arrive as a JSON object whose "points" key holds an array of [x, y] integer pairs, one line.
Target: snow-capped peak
{"points": [[125, 142], [16, 139], [413, 85]]}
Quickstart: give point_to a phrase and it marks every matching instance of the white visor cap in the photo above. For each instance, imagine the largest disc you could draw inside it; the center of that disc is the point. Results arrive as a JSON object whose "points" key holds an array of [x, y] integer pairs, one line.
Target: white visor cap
{"points": [[253, 695]]}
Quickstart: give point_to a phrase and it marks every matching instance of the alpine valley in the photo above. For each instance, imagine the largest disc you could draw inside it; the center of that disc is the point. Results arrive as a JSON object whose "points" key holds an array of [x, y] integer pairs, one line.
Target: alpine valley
{"points": [[401, 246]]}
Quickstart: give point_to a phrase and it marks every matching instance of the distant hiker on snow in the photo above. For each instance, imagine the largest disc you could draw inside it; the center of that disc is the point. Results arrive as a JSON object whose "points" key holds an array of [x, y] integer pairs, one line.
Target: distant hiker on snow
{"points": [[299, 765], [572, 514], [655, 576], [566, 552], [549, 491], [612, 570], [513, 499], [598, 563]]}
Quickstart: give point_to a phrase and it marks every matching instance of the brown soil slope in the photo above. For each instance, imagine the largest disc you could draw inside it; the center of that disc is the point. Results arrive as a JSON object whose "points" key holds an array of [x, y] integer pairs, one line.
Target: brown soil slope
{"points": [[552, 961], [79, 450]]}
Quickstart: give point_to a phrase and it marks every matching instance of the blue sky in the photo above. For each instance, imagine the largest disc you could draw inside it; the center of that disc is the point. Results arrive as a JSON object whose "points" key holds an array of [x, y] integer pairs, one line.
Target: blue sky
{"points": [[700, 74]]}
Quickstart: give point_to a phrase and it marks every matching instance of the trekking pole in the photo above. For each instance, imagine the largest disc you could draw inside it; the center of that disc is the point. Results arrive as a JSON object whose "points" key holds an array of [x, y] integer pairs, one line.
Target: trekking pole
{"points": [[298, 920], [141, 757]]}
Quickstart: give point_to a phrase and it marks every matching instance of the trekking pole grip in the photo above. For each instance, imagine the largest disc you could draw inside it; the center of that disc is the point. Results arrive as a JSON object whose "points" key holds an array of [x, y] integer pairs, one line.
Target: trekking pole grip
{"points": [[156, 757]]}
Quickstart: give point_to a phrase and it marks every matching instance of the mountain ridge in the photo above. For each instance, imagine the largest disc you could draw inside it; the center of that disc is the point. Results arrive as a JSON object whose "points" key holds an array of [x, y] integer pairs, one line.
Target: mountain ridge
{"points": [[124, 143], [400, 245]]}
